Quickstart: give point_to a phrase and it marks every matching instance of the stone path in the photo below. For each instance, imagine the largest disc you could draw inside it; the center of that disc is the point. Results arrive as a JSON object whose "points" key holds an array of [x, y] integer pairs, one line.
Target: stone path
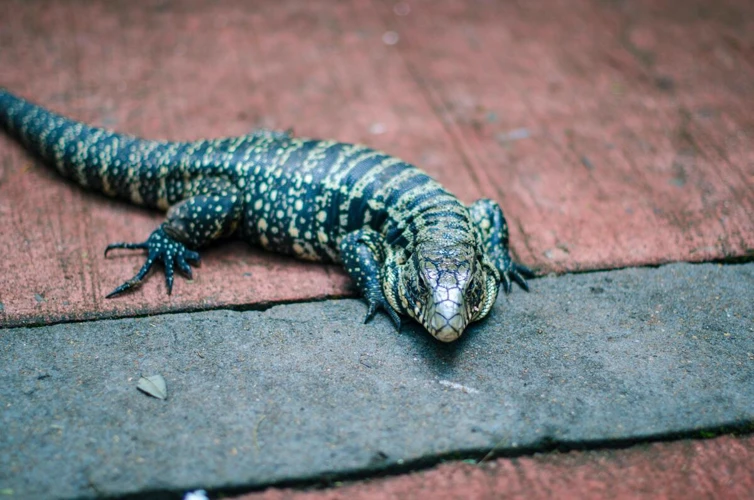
{"points": [[303, 391], [616, 136]]}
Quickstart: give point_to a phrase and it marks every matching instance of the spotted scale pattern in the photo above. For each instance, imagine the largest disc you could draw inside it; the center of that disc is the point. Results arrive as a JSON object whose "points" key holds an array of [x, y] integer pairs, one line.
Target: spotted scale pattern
{"points": [[412, 248]]}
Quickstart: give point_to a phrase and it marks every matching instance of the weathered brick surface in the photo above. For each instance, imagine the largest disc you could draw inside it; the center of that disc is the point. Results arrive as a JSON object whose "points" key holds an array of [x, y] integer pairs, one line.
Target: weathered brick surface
{"points": [[614, 134], [718, 468]]}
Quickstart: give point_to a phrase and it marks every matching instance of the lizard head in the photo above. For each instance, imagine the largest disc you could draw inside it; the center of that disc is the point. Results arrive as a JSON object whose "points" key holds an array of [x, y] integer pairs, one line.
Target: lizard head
{"points": [[447, 287]]}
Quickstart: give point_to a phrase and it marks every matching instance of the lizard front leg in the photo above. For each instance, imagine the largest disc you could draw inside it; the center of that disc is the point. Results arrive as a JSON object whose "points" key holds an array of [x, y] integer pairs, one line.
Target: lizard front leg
{"points": [[192, 223], [493, 230], [363, 255]]}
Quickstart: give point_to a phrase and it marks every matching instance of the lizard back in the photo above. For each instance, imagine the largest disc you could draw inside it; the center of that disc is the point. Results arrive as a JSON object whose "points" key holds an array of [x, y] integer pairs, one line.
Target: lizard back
{"points": [[300, 196]]}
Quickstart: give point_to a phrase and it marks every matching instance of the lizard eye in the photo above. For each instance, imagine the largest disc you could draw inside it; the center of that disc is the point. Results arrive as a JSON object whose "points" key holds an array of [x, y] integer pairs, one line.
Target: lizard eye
{"points": [[420, 288], [478, 265]]}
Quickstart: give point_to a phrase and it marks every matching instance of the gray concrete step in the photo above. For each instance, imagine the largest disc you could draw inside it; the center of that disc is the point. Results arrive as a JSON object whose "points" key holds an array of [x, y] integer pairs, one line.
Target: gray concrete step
{"points": [[305, 389]]}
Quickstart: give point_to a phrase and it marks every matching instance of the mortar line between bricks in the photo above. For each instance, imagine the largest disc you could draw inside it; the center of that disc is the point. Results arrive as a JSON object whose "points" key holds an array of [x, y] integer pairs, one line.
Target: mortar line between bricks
{"points": [[147, 312], [477, 455], [265, 305]]}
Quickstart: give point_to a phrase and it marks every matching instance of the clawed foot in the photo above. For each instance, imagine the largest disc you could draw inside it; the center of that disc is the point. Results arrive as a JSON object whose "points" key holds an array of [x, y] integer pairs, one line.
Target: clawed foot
{"points": [[381, 303], [518, 273], [159, 247]]}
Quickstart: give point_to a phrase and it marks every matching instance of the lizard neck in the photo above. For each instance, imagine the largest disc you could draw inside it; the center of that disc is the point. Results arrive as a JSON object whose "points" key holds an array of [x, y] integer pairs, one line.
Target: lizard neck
{"points": [[440, 222]]}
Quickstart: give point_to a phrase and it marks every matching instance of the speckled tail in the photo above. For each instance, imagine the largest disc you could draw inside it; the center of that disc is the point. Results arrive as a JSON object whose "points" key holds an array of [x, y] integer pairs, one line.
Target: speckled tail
{"points": [[41, 131], [101, 160]]}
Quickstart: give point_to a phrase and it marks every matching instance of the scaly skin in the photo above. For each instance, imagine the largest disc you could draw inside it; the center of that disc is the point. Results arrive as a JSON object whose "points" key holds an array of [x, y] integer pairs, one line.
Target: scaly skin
{"points": [[412, 248]]}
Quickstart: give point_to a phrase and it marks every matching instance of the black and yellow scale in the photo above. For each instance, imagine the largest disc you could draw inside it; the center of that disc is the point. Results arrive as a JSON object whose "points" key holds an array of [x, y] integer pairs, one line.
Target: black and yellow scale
{"points": [[412, 248]]}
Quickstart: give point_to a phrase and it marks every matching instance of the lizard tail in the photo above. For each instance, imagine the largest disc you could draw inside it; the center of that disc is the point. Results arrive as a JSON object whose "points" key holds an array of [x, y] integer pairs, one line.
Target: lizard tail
{"points": [[114, 164]]}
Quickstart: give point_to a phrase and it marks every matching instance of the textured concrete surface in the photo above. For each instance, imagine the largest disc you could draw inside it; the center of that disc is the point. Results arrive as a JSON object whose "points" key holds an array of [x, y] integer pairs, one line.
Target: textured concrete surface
{"points": [[304, 390], [716, 468], [613, 133]]}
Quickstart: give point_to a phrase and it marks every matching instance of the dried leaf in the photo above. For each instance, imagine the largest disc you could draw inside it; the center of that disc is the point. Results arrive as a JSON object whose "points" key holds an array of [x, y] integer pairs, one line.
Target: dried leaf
{"points": [[154, 385]]}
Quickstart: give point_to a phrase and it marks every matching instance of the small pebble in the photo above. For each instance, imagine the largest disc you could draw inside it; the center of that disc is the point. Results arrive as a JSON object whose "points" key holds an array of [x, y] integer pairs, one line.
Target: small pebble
{"points": [[390, 38], [377, 128], [401, 9]]}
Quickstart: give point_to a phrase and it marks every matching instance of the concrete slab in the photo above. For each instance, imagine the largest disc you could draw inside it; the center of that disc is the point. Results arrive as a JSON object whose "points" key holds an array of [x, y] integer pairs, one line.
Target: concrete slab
{"points": [[714, 468], [303, 390], [613, 136]]}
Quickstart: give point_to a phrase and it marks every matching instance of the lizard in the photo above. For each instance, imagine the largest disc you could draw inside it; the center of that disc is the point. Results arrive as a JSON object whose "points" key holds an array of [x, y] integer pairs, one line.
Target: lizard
{"points": [[411, 248]]}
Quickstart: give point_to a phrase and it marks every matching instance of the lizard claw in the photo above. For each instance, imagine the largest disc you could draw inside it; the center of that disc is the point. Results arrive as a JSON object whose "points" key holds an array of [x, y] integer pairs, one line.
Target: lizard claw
{"points": [[518, 273], [373, 306], [160, 247]]}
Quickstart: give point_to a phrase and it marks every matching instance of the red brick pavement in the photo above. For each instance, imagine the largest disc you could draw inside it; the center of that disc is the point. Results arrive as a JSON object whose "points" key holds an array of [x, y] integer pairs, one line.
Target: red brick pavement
{"points": [[613, 133], [717, 469]]}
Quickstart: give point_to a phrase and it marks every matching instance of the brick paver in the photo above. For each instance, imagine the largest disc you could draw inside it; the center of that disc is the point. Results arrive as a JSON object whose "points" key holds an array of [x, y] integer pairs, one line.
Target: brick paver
{"points": [[717, 468], [613, 134]]}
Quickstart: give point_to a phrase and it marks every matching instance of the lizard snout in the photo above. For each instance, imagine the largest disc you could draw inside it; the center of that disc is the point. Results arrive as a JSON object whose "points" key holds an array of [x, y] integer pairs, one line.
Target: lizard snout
{"points": [[446, 322]]}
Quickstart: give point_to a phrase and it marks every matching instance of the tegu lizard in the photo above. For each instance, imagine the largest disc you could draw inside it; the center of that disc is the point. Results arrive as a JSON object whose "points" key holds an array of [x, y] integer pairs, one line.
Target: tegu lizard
{"points": [[410, 246]]}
